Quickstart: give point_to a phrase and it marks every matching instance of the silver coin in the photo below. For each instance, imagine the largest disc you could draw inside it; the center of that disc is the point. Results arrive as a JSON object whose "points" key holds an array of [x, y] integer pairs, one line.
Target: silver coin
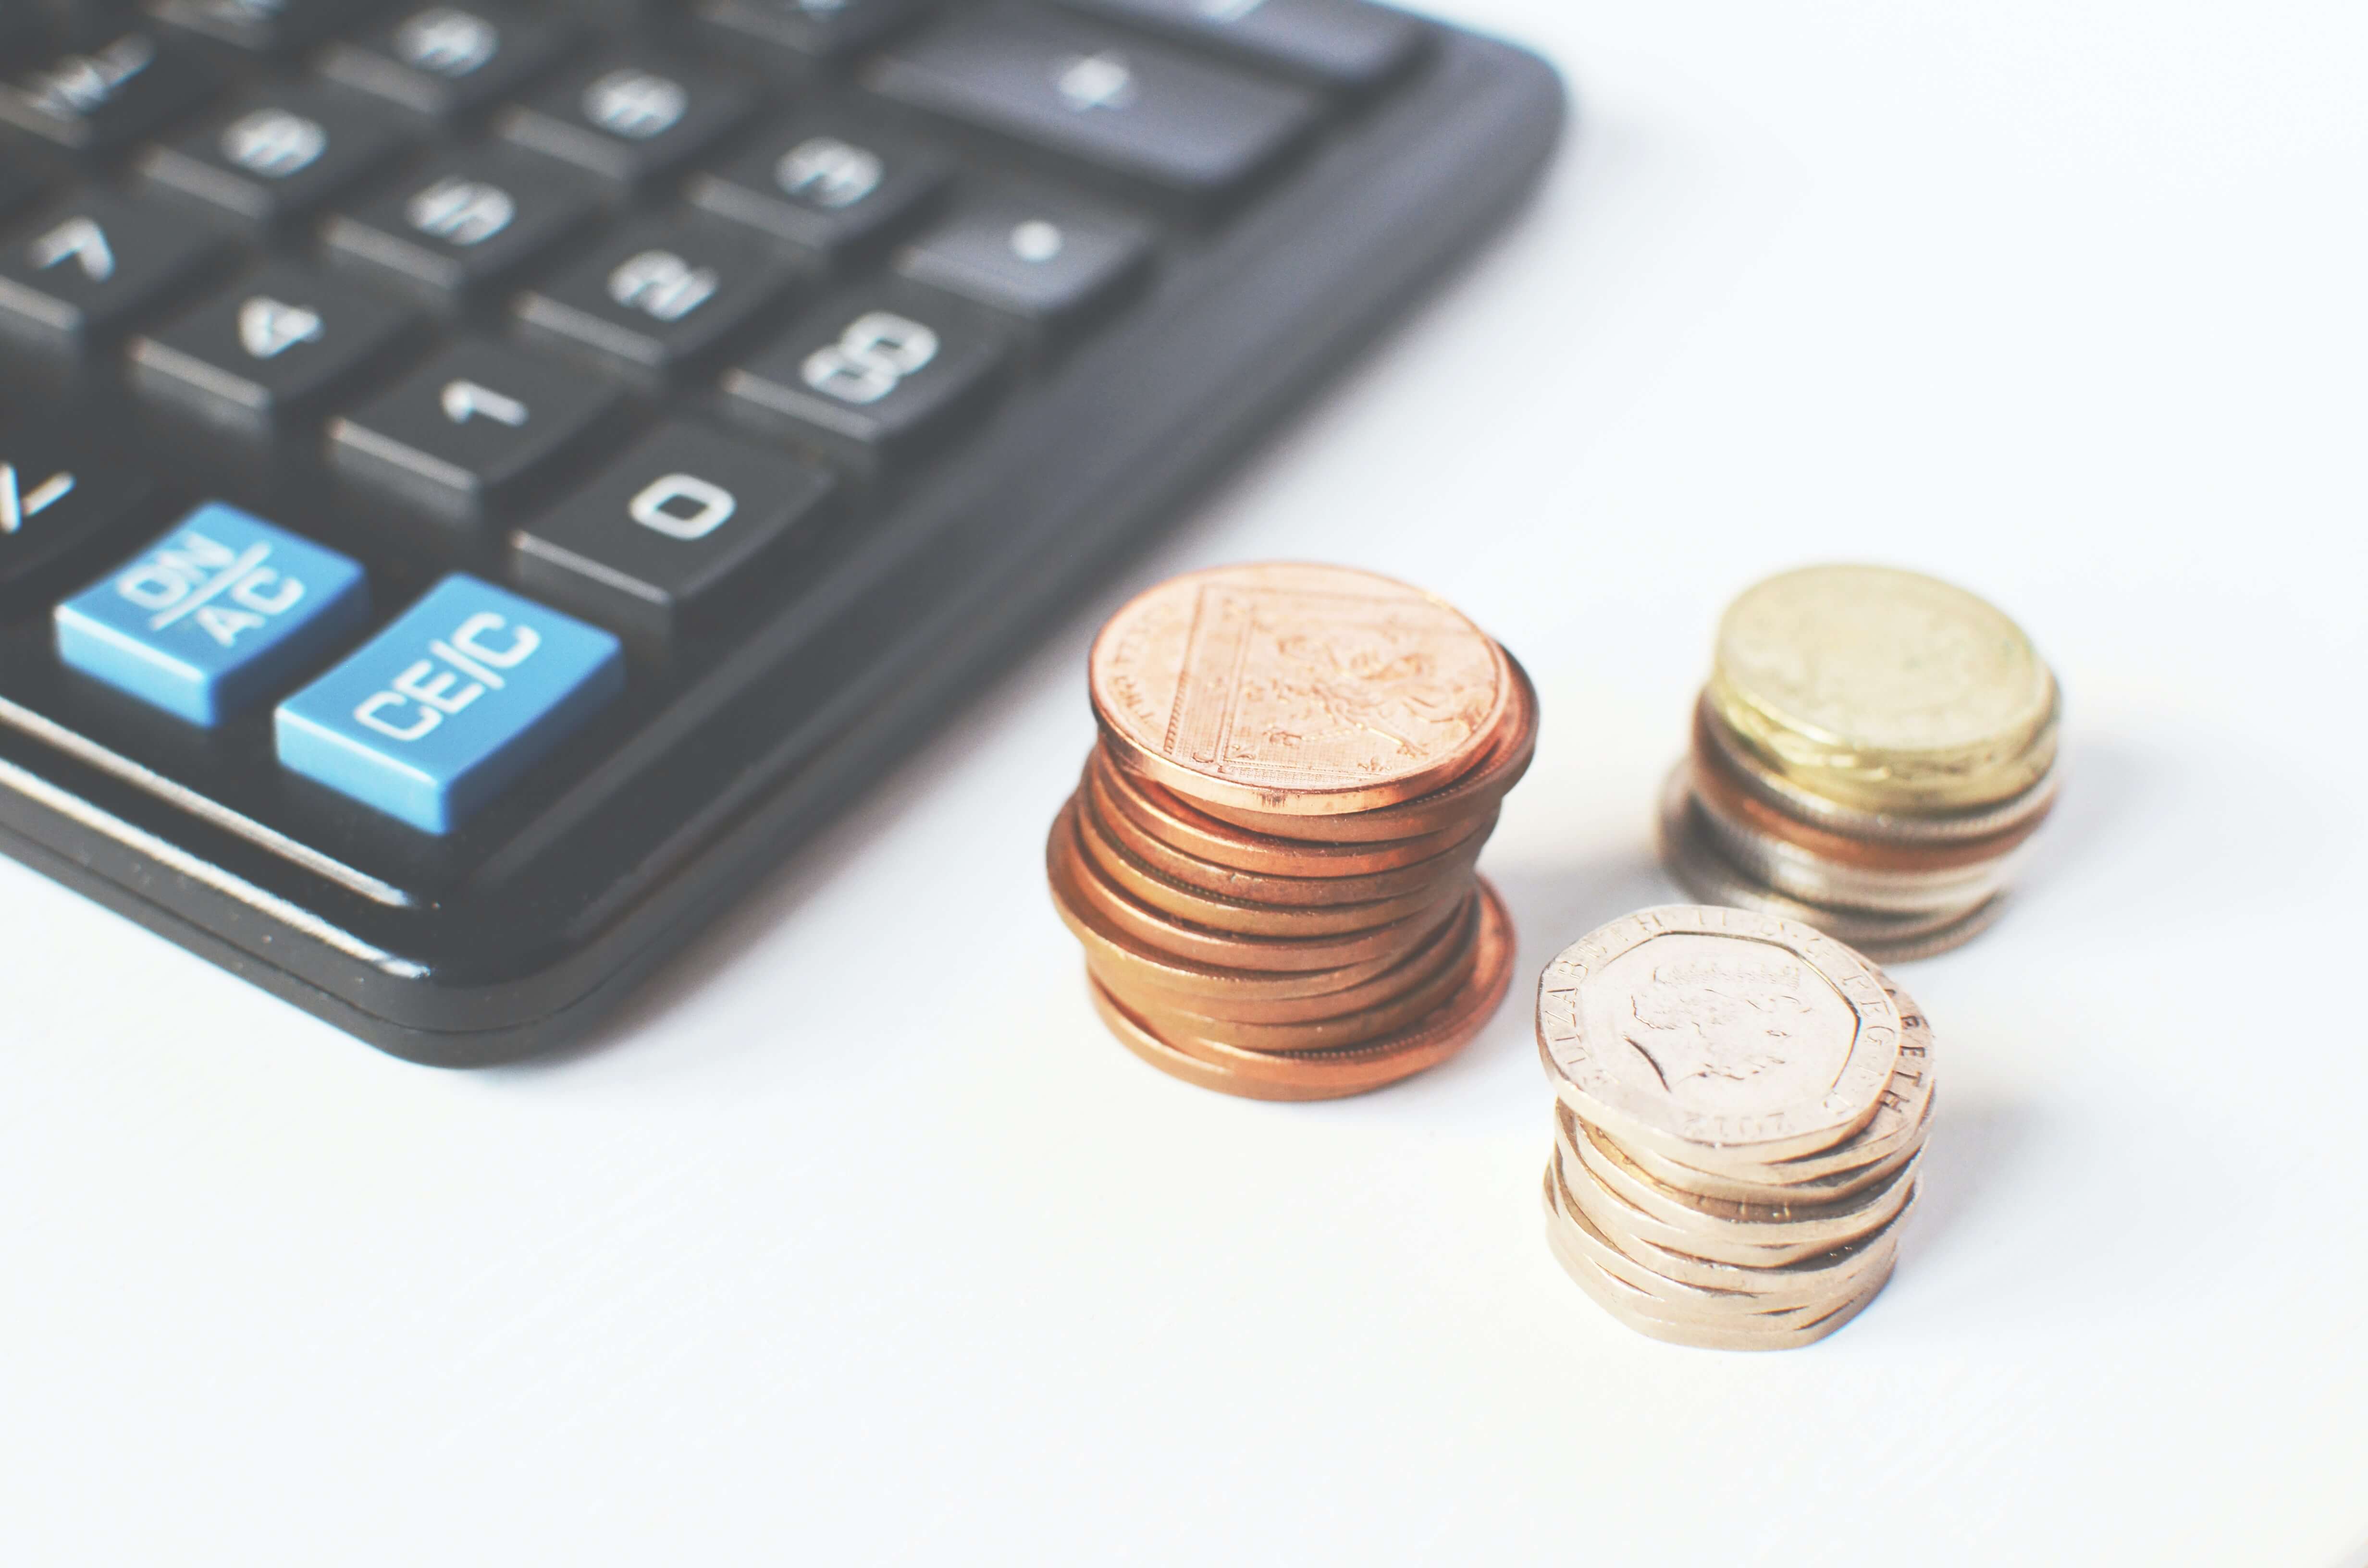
{"points": [[1816, 1226], [1803, 873], [1894, 827], [1633, 1309], [1894, 1132], [1723, 1289], [1699, 868], [1688, 1028]]}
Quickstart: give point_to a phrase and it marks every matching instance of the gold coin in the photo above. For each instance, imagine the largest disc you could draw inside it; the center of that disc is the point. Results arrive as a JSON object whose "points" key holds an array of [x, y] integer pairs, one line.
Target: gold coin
{"points": [[1322, 1075], [1618, 1219], [1886, 688], [1307, 885], [1225, 949], [1240, 916], [1476, 793], [1296, 689]]}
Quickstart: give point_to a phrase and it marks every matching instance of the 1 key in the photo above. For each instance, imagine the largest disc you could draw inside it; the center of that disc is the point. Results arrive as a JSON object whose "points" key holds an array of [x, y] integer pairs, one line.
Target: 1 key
{"points": [[470, 430]]}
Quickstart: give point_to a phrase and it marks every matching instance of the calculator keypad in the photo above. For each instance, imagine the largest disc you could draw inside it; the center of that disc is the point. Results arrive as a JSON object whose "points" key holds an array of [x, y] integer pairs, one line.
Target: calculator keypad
{"points": [[645, 328]]}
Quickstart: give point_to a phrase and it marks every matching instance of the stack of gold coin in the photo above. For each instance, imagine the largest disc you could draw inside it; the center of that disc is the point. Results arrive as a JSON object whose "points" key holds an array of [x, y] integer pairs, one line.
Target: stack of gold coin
{"points": [[1873, 751], [1741, 1108], [1270, 858]]}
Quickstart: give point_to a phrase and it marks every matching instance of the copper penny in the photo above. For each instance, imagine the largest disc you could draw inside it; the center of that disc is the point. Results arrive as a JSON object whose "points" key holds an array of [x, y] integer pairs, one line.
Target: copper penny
{"points": [[1226, 949], [1334, 1074], [1190, 831], [1244, 1006], [1336, 1033], [1302, 690], [1477, 792], [1240, 916], [1106, 940], [1111, 813]]}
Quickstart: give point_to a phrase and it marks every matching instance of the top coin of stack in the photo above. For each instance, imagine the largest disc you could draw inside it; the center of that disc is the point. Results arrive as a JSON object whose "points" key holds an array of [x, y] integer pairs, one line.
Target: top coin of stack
{"points": [[1270, 857], [1743, 1106], [1872, 749]]}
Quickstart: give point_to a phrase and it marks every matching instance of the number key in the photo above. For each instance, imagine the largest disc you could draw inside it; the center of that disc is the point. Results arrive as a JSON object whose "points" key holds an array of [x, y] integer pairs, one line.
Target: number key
{"points": [[804, 31], [469, 431], [446, 60], [276, 155], [682, 526], [656, 295], [627, 118], [74, 278], [461, 226], [826, 186], [263, 357], [868, 376]]}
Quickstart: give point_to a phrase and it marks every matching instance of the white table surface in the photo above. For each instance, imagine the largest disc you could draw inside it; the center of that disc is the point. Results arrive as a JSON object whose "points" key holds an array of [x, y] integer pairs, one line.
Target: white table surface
{"points": [[858, 1240]]}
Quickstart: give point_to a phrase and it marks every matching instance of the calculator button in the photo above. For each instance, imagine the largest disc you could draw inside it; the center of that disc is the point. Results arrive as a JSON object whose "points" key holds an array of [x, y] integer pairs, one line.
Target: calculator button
{"points": [[259, 27], [805, 30], [461, 226], [655, 295], [115, 94], [627, 118], [214, 617], [1046, 262], [77, 276], [469, 429], [57, 499], [868, 377], [823, 185], [687, 523], [276, 155], [1138, 109], [1338, 43], [263, 357], [436, 715], [446, 60]]}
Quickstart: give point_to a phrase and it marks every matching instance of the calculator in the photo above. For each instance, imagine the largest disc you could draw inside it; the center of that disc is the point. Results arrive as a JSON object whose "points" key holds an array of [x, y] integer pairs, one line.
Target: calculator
{"points": [[481, 483]]}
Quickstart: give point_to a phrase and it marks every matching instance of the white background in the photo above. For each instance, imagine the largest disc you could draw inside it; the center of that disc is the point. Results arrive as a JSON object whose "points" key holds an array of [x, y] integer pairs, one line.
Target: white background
{"points": [[858, 1240]]}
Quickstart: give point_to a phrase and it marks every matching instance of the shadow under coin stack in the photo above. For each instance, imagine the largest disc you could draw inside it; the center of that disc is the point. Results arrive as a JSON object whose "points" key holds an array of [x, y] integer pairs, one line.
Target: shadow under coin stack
{"points": [[1741, 1106], [1873, 750], [1270, 858]]}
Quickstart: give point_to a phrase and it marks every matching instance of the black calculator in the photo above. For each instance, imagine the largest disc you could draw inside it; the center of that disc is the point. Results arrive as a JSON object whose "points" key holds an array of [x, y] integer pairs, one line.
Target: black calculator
{"points": [[480, 483]]}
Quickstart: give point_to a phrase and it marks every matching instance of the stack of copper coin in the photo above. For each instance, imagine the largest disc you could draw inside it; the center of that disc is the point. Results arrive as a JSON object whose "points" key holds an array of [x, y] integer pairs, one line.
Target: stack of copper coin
{"points": [[1270, 858], [1873, 751], [1743, 1103]]}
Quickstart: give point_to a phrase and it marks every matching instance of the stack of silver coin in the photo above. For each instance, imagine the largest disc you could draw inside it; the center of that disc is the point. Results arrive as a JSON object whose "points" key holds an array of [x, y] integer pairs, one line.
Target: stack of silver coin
{"points": [[1873, 753], [1742, 1105]]}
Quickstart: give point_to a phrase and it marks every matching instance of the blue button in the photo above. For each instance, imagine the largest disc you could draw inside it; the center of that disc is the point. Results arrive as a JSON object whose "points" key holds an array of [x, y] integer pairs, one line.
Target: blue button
{"points": [[214, 617], [434, 715]]}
